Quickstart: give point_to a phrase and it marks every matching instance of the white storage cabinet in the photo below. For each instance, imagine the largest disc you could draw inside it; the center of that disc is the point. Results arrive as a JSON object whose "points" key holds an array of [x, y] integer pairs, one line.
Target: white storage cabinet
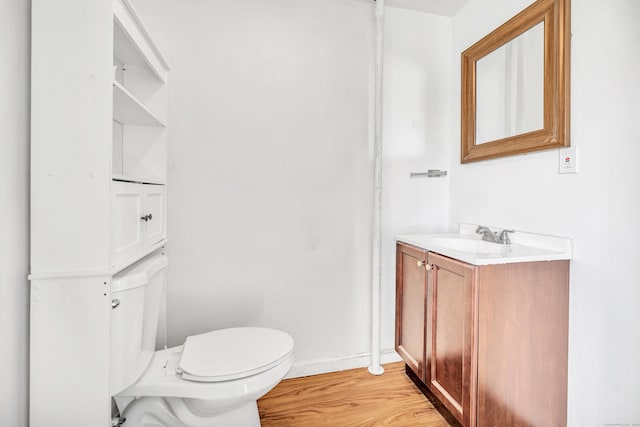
{"points": [[137, 221], [98, 192]]}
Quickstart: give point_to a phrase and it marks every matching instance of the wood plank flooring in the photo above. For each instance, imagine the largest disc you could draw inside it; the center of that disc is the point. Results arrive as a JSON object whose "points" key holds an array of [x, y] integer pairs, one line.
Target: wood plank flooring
{"points": [[351, 398]]}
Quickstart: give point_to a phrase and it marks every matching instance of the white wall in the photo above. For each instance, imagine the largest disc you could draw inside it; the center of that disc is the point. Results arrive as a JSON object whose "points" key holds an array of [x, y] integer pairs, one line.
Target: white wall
{"points": [[14, 210], [251, 123], [416, 136], [599, 207], [270, 170]]}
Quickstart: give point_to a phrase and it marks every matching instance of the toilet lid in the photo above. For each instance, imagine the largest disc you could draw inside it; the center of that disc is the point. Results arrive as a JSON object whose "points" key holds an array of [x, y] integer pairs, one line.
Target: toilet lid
{"points": [[233, 353]]}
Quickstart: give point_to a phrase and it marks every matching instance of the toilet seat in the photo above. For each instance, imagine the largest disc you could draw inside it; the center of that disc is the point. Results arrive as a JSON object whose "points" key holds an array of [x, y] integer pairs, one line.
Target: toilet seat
{"points": [[163, 378], [234, 353]]}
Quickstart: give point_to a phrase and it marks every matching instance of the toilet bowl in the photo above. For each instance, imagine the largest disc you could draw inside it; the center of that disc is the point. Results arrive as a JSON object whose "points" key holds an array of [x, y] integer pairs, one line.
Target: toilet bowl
{"points": [[214, 379]]}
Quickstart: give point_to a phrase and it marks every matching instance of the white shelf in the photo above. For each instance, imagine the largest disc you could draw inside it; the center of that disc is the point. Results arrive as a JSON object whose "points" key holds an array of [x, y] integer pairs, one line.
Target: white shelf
{"points": [[132, 43], [116, 268], [139, 180], [128, 110]]}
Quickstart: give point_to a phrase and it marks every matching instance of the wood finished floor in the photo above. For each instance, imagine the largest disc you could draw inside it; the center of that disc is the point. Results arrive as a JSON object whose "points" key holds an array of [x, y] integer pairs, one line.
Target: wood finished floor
{"points": [[351, 398]]}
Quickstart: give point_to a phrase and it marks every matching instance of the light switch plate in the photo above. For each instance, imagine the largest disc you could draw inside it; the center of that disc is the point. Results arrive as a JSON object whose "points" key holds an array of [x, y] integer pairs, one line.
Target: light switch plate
{"points": [[568, 160]]}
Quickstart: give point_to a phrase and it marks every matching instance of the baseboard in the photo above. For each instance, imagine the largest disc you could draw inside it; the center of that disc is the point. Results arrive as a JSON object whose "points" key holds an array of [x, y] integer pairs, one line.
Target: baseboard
{"points": [[323, 366]]}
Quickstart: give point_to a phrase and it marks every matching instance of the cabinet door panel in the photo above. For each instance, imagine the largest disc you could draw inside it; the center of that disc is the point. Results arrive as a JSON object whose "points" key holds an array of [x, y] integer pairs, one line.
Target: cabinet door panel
{"points": [[154, 202], [448, 337], [452, 326], [410, 307], [126, 225]]}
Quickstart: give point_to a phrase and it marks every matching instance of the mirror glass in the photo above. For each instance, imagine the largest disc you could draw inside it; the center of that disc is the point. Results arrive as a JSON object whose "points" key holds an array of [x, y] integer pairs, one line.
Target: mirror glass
{"points": [[510, 88]]}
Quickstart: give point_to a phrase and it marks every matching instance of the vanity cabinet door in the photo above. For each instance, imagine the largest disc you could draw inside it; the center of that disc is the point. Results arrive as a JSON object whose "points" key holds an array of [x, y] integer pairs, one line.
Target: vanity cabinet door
{"points": [[451, 327], [411, 307]]}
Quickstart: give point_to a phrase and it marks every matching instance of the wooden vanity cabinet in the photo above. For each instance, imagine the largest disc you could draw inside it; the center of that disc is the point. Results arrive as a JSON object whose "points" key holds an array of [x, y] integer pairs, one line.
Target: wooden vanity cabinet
{"points": [[495, 337]]}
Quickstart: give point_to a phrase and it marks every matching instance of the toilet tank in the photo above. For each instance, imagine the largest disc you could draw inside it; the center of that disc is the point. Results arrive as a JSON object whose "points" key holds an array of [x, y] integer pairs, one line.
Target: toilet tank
{"points": [[136, 296]]}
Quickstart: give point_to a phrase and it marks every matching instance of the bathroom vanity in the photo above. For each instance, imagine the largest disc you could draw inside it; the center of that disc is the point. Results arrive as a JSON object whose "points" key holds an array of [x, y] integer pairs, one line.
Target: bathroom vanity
{"points": [[483, 327]]}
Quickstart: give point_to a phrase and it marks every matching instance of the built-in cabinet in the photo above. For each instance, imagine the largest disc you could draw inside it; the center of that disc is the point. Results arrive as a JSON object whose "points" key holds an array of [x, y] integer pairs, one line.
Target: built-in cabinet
{"points": [[98, 192], [493, 351]]}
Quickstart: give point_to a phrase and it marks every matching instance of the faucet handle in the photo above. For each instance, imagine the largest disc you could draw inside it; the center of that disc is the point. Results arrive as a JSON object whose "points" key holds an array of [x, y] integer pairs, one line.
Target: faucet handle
{"points": [[504, 236]]}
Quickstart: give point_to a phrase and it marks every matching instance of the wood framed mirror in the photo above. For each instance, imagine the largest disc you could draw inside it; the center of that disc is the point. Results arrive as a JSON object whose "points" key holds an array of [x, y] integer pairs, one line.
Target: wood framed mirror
{"points": [[515, 85]]}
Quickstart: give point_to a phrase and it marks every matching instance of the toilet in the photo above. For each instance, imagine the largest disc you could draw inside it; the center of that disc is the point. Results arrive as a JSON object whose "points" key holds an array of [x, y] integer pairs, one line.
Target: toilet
{"points": [[213, 379]]}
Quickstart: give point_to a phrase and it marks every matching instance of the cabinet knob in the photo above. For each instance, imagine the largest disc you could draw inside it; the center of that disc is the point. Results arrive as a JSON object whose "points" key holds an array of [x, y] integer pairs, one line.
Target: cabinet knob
{"points": [[150, 217], [145, 218], [424, 264]]}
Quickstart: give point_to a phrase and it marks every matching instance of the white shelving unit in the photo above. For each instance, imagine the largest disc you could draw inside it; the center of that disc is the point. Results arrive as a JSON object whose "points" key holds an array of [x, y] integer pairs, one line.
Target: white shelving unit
{"points": [[98, 168]]}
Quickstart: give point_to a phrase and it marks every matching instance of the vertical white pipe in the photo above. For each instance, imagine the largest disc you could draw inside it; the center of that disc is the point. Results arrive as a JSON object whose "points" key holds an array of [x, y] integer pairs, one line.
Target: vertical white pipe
{"points": [[375, 368]]}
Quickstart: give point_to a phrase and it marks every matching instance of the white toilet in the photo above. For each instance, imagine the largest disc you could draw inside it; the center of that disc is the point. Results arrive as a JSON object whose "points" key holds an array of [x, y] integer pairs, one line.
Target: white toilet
{"points": [[214, 379]]}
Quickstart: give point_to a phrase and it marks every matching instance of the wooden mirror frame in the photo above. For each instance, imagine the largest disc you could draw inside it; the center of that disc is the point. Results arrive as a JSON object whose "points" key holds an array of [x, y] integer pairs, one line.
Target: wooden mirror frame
{"points": [[556, 17]]}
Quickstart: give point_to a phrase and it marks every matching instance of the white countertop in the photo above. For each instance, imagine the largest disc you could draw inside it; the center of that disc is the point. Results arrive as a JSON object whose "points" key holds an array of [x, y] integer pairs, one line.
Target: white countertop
{"points": [[466, 245]]}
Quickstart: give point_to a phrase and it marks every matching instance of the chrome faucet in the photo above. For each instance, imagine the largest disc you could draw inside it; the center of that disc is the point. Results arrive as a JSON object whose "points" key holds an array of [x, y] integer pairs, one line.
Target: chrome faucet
{"points": [[490, 236]]}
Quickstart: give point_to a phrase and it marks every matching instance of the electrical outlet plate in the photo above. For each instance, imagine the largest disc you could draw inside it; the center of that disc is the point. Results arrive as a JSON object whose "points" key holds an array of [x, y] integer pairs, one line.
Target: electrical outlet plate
{"points": [[568, 160]]}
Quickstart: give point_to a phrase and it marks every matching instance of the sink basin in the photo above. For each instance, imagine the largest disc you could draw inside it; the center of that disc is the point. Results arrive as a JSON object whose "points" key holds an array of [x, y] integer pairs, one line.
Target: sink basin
{"points": [[467, 246]]}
